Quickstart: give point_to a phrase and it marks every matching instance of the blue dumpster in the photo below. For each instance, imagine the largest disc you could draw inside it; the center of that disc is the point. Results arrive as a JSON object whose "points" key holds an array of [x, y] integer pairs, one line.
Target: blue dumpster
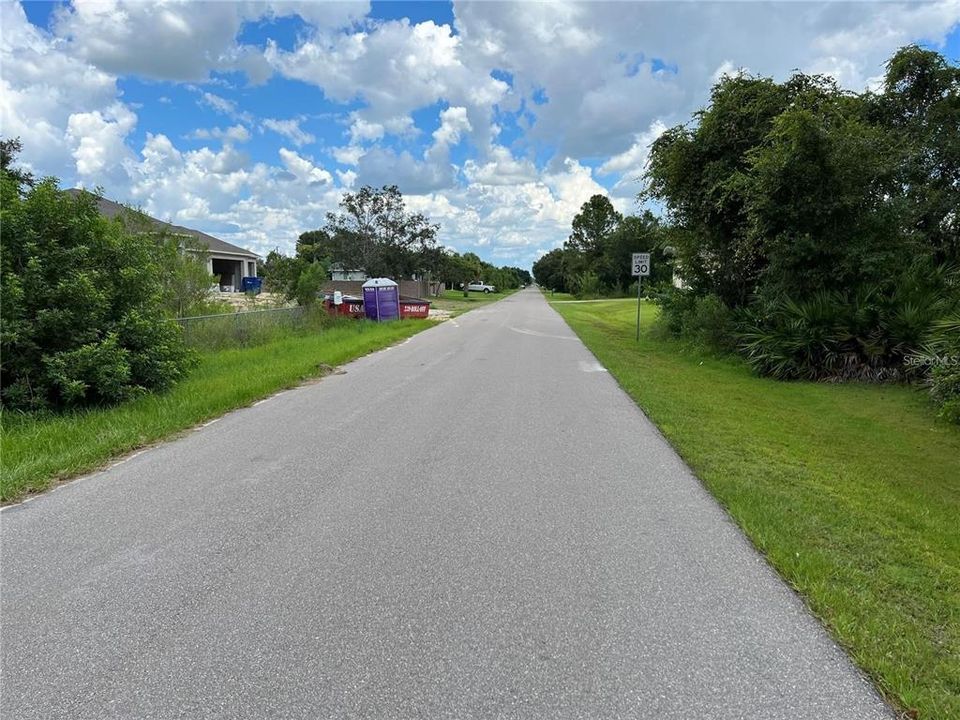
{"points": [[251, 284], [381, 299]]}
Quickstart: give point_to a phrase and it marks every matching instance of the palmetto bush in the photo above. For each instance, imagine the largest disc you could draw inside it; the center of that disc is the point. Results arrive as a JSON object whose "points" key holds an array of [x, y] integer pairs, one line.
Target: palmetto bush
{"points": [[865, 334], [942, 355]]}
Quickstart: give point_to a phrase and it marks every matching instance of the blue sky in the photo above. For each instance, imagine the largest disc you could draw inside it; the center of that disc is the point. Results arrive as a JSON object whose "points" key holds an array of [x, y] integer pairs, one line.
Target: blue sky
{"points": [[496, 119]]}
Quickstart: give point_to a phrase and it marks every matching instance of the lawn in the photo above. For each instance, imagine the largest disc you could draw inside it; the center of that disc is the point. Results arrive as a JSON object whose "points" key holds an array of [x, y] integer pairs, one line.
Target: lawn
{"points": [[454, 302], [37, 452], [852, 491]]}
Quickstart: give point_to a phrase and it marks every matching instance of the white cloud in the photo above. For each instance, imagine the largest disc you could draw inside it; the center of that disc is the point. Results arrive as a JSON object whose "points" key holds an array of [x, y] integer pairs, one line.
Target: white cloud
{"points": [[384, 166], [234, 133], [614, 75], [453, 123], [362, 130], [394, 67], [98, 139], [171, 40], [291, 130], [347, 155], [501, 168], [41, 86], [304, 169]]}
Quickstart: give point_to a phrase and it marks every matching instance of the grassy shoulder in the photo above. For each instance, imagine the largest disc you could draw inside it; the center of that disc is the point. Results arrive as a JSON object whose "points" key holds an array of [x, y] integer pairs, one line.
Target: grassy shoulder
{"points": [[851, 490], [39, 451], [455, 303]]}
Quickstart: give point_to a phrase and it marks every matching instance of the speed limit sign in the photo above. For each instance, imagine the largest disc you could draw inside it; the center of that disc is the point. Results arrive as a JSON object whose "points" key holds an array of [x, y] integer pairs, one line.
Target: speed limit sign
{"points": [[640, 267]]}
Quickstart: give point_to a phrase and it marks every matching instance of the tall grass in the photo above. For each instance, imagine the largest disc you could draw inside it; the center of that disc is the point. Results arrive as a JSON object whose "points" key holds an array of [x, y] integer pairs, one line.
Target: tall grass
{"points": [[38, 450], [246, 329]]}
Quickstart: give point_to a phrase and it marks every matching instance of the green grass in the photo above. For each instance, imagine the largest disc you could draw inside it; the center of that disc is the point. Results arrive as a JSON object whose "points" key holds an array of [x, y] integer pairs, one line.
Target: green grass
{"points": [[852, 492], [557, 296], [454, 301], [38, 451]]}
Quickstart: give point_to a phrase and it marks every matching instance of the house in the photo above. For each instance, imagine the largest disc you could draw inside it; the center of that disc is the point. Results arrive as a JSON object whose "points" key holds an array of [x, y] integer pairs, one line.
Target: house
{"points": [[339, 274], [229, 263]]}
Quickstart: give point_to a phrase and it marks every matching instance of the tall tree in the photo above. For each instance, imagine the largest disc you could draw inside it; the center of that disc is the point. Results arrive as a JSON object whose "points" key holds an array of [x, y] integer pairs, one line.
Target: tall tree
{"points": [[698, 174], [921, 103], [596, 220], [376, 232]]}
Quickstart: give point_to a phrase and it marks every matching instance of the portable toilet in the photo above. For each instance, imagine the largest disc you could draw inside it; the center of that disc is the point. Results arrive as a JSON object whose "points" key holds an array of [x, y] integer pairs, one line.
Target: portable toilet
{"points": [[381, 299]]}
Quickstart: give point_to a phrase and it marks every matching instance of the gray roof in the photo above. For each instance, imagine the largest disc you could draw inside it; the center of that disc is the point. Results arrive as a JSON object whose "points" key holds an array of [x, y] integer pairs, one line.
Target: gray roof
{"points": [[111, 209]]}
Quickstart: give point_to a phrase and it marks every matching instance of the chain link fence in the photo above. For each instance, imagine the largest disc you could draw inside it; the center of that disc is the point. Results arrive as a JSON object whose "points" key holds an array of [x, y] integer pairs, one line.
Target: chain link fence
{"points": [[243, 329]]}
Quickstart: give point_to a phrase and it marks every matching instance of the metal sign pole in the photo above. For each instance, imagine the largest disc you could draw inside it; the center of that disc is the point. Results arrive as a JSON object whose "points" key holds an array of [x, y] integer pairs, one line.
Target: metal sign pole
{"points": [[639, 284]]}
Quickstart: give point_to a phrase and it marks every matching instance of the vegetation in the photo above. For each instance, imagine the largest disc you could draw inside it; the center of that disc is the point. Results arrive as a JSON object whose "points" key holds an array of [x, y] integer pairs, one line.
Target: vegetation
{"points": [[256, 327], [815, 230], [374, 232], [824, 222], [850, 490], [40, 449], [595, 260], [83, 307]]}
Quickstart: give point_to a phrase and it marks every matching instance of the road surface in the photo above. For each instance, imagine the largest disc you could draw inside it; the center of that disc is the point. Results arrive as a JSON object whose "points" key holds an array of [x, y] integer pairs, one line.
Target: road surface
{"points": [[476, 523]]}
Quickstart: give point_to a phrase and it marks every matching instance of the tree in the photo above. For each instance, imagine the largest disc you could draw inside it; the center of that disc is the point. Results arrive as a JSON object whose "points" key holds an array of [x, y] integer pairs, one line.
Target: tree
{"points": [[820, 202], [550, 271], [185, 279], [9, 149], [317, 245], [82, 304], [295, 278], [309, 279], [586, 246], [698, 174], [921, 104], [373, 230], [594, 223], [635, 233]]}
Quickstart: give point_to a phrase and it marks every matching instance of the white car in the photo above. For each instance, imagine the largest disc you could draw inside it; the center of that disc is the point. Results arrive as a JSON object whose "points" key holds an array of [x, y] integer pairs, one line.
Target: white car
{"points": [[481, 287]]}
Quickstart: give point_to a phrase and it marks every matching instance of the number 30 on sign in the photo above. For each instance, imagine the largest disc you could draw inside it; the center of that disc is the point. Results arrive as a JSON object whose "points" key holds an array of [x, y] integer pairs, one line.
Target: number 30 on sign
{"points": [[640, 267]]}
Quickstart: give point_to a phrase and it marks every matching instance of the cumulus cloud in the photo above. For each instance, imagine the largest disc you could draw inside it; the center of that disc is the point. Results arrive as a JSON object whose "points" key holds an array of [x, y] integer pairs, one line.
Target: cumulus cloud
{"points": [[98, 139], [290, 129], [235, 134], [501, 168], [187, 40], [303, 169], [509, 81]]}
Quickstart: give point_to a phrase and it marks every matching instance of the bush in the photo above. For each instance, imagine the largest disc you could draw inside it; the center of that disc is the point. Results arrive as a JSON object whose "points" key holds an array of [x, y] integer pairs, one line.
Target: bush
{"points": [[82, 305], [867, 334], [587, 285], [700, 319], [944, 381]]}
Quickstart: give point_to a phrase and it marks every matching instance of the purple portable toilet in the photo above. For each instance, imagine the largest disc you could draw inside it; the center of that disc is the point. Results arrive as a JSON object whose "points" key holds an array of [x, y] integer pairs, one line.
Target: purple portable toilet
{"points": [[381, 299]]}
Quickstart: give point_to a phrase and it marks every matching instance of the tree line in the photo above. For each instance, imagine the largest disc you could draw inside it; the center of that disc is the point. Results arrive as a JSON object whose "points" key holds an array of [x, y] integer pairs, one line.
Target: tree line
{"points": [[372, 231], [815, 230]]}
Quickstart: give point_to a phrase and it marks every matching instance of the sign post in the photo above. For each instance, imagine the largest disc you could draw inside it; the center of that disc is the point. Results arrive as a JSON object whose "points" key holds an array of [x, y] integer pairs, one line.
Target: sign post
{"points": [[640, 268]]}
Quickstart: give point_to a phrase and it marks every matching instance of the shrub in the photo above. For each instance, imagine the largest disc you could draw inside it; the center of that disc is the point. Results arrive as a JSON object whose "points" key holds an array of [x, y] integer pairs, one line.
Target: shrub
{"points": [[944, 381], [587, 285], [82, 312], [701, 319], [866, 334]]}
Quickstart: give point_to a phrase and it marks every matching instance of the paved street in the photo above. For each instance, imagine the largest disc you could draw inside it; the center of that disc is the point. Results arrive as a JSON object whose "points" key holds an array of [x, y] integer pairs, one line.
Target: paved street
{"points": [[476, 523]]}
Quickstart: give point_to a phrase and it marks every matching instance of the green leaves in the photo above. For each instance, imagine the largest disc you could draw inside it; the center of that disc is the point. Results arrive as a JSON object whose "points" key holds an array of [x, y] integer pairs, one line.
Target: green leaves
{"points": [[82, 313]]}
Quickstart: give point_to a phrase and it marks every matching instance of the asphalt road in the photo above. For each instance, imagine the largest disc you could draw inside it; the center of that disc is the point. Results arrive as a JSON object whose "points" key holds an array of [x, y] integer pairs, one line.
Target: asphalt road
{"points": [[476, 523]]}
